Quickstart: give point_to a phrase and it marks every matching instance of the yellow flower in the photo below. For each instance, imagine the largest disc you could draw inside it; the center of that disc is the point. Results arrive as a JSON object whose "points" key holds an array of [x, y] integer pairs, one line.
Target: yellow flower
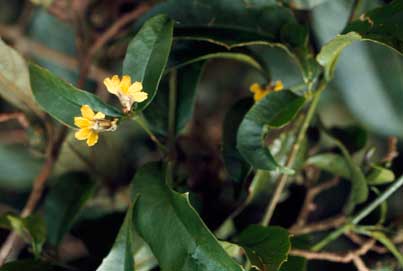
{"points": [[127, 92], [91, 124], [259, 92]]}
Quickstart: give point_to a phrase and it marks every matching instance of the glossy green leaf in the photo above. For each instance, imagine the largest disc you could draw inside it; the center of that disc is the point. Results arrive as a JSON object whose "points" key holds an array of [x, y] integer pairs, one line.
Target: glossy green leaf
{"points": [[64, 202], [379, 175], [235, 164], [274, 110], [266, 247], [294, 263], [14, 80], [121, 256], [330, 162], [381, 25], [172, 228], [31, 228], [62, 100], [241, 24], [147, 55], [157, 112]]}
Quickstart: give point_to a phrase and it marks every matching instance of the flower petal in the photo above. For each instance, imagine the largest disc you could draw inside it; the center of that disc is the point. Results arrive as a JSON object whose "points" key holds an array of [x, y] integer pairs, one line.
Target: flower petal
{"points": [[136, 87], [139, 96], [82, 122], [112, 84], [87, 112], [82, 134], [278, 85], [255, 88], [92, 139], [99, 115], [125, 84]]}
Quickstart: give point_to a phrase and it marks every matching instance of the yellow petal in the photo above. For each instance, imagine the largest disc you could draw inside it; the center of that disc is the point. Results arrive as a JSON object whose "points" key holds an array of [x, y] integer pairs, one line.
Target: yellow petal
{"points": [[125, 84], [255, 88], [259, 95], [136, 87], [87, 112], [278, 85], [112, 84], [92, 139], [82, 122], [83, 134], [99, 115], [139, 96]]}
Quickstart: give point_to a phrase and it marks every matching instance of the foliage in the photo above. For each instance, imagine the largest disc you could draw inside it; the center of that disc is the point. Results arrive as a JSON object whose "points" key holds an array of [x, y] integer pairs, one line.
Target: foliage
{"points": [[196, 156]]}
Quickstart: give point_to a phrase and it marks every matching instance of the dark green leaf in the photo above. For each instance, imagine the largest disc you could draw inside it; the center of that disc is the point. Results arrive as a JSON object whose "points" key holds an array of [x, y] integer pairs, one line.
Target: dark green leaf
{"points": [[241, 24], [64, 202], [353, 138], [121, 256], [147, 55], [62, 100], [157, 112], [266, 247], [274, 110], [381, 25], [294, 263], [172, 228], [235, 164]]}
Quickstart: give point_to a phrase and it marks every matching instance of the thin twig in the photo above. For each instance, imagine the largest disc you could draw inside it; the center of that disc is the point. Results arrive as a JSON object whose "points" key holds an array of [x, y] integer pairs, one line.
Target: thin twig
{"points": [[19, 116], [392, 150], [322, 225], [309, 204], [282, 180], [335, 257]]}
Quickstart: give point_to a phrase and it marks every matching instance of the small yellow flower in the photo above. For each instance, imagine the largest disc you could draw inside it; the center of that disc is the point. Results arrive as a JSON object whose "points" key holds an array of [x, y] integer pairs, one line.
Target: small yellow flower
{"points": [[259, 92], [127, 92], [91, 124]]}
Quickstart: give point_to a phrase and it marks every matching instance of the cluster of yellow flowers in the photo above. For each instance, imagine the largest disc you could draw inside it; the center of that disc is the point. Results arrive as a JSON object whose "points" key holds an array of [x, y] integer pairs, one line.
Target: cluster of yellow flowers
{"points": [[259, 92], [90, 124]]}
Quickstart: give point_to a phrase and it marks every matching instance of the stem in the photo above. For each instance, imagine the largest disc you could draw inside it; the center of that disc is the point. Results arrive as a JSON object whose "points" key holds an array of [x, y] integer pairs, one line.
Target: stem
{"points": [[360, 216], [171, 127], [281, 182], [354, 9], [142, 123]]}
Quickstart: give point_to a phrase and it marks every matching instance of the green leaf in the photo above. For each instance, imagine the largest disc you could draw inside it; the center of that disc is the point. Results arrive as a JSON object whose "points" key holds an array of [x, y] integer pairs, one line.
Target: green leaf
{"points": [[354, 138], [64, 202], [235, 164], [121, 256], [381, 25], [157, 112], [294, 263], [331, 162], [62, 100], [31, 228], [172, 228], [242, 24], [147, 55], [274, 110], [14, 80], [379, 175], [266, 247]]}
